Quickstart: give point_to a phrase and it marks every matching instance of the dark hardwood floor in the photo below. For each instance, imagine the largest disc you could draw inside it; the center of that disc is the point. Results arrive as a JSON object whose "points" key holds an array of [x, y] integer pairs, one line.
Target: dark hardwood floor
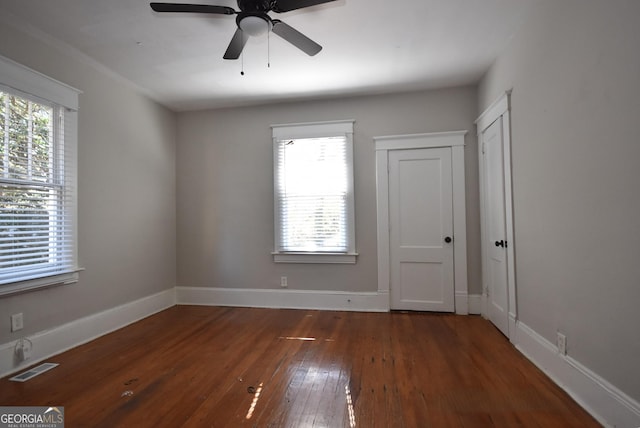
{"points": [[232, 367]]}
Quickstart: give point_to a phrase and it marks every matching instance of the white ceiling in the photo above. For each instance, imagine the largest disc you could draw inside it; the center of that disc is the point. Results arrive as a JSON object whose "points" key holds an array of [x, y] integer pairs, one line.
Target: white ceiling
{"points": [[370, 46]]}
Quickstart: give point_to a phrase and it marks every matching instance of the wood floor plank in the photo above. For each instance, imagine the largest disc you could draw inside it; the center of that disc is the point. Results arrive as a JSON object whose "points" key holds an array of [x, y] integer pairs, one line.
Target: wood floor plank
{"points": [[193, 366]]}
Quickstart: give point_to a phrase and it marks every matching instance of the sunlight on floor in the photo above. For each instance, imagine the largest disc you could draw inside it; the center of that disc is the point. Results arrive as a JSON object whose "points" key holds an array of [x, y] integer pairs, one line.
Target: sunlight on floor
{"points": [[352, 415], [308, 339], [256, 397]]}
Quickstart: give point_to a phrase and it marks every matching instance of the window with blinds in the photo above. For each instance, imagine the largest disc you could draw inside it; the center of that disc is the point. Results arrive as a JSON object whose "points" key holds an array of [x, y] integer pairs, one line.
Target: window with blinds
{"points": [[313, 177], [37, 191]]}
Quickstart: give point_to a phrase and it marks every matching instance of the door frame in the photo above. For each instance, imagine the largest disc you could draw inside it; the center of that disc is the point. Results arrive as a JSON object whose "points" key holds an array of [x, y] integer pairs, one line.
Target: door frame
{"points": [[455, 141], [500, 108]]}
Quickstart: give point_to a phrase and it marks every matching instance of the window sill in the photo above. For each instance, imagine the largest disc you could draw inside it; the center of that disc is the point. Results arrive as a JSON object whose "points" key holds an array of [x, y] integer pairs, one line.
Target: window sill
{"points": [[329, 258], [38, 283]]}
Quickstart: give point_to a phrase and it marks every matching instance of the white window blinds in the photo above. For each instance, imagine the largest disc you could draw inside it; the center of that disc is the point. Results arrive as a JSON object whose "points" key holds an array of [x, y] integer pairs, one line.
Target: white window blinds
{"points": [[37, 191], [313, 189]]}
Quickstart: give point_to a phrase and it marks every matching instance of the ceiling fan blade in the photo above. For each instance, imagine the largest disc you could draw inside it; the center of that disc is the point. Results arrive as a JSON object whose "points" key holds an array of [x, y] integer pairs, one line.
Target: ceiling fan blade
{"points": [[287, 5], [192, 8], [296, 38], [237, 44]]}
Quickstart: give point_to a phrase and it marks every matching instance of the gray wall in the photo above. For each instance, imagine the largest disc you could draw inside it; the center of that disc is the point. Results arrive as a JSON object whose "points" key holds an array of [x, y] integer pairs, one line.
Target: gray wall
{"points": [[126, 179], [575, 69], [225, 187]]}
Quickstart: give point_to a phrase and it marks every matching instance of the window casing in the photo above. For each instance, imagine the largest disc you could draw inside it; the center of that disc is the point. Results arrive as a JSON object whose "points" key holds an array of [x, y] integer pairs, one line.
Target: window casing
{"points": [[313, 193], [38, 134]]}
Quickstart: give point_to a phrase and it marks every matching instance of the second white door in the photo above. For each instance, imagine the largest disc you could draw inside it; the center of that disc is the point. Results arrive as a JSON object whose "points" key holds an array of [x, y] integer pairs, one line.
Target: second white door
{"points": [[495, 244], [421, 230]]}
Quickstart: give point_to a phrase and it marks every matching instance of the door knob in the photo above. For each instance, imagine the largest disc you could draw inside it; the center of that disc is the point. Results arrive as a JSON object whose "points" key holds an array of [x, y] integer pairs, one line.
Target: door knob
{"points": [[501, 243], [448, 239]]}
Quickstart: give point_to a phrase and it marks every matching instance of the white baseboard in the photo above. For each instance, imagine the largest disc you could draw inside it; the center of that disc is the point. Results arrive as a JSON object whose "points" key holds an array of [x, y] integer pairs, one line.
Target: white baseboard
{"points": [[303, 299], [513, 326], [59, 339], [475, 304], [284, 299], [461, 303], [610, 406], [605, 402]]}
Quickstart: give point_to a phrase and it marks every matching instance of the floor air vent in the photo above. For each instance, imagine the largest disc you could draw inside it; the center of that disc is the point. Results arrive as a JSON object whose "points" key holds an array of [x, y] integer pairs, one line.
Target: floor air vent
{"points": [[31, 373]]}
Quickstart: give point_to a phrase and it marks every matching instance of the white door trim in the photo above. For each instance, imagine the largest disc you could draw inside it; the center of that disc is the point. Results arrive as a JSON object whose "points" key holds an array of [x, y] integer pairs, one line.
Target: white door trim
{"points": [[501, 107], [454, 140]]}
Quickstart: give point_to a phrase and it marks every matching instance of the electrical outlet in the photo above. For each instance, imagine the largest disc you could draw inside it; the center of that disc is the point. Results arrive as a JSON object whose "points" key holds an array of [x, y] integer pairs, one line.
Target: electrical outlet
{"points": [[562, 344], [17, 322], [283, 282]]}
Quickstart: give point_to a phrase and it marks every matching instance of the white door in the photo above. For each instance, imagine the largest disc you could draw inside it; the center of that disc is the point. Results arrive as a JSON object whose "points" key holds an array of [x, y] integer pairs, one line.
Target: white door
{"points": [[421, 230], [495, 244]]}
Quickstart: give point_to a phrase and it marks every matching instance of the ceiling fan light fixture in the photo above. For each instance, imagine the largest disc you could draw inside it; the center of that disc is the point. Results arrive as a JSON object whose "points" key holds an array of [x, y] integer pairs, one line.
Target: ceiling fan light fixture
{"points": [[254, 25]]}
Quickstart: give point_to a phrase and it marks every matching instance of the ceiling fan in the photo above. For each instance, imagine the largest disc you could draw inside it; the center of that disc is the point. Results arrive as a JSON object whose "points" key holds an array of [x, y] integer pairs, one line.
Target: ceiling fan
{"points": [[253, 20]]}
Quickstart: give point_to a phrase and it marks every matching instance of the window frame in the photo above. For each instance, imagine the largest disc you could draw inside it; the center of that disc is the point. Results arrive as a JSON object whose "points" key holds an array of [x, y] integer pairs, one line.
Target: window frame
{"points": [[315, 130], [30, 84]]}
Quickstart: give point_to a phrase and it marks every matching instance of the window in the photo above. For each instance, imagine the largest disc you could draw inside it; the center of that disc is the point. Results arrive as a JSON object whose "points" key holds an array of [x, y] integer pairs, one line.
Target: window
{"points": [[37, 180], [314, 204]]}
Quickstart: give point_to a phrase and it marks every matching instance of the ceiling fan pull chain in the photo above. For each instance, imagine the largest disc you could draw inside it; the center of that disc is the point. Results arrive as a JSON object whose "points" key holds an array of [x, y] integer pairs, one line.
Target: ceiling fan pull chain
{"points": [[242, 64], [268, 49]]}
